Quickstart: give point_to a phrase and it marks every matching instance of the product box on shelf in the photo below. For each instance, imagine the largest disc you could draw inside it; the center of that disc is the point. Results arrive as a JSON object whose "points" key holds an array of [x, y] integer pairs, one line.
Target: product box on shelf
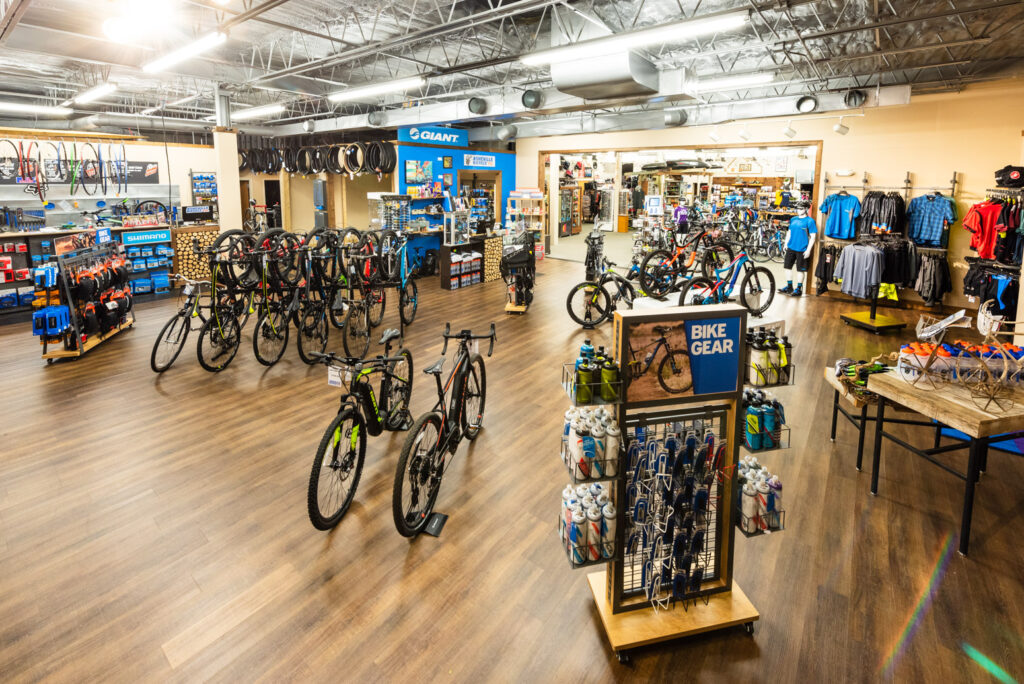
{"points": [[8, 247], [132, 252], [455, 282], [138, 264], [23, 274], [9, 300], [153, 262], [142, 285], [25, 299], [6, 263], [145, 251], [6, 276]]}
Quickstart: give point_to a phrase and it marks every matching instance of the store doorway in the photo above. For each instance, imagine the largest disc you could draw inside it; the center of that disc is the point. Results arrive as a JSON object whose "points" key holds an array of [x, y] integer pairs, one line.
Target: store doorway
{"points": [[482, 189], [272, 198], [243, 191]]}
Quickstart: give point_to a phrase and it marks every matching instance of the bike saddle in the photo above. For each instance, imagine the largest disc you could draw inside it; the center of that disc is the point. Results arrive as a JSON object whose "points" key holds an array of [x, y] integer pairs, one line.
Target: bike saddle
{"points": [[389, 334], [435, 368]]}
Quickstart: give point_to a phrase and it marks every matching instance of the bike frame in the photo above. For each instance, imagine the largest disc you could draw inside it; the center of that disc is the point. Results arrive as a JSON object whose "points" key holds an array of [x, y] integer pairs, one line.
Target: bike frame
{"points": [[657, 344]]}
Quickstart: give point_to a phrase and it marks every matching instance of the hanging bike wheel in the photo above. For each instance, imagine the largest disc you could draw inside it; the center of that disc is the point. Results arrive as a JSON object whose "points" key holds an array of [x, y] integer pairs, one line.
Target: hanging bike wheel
{"points": [[416, 479], [270, 337], [674, 374], [219, 339], [390, 263], [356, 338], [757, 290], [408, 297], [588, 304], [313, 331], [337, 467], [376, 298], [337, 310]]}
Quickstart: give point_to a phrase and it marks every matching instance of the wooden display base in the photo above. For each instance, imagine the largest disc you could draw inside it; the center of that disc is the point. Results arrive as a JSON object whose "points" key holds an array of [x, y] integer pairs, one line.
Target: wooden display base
{"points": [[636, 628], [91, 342], [515, 308], [878, 325]]}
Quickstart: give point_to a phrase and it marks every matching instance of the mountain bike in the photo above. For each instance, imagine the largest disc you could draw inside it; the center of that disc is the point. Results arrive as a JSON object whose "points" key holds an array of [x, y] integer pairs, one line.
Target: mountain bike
{"points": [[592, 303], [674, 370], [256, 221], [394, 256], [757, 289], [171, 340], [339, 457], [766, 242], [661, 269], [438, 432]]}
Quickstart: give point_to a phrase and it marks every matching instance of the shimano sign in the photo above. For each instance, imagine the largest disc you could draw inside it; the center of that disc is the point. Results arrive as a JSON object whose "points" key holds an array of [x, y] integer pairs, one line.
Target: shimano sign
{"points": [[450, 137]]}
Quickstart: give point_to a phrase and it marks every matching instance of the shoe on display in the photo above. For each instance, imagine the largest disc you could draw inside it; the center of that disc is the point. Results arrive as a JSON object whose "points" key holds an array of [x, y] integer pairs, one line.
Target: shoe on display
{"points": [[785, 290]]}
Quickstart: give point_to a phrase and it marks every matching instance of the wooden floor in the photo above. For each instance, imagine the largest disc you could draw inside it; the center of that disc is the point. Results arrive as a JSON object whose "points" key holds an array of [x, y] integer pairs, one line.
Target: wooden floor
{"points": [[155, 529]]}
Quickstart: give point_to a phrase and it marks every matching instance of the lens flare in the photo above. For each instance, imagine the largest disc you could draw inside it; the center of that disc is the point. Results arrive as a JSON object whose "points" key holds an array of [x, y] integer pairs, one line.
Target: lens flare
{"points": [[986, 663]]}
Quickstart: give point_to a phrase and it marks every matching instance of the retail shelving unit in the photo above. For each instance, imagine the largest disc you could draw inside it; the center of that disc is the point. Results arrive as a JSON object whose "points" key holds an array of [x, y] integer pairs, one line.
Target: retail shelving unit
{"points": [[670, 571], [204, 187], [527, 209]]}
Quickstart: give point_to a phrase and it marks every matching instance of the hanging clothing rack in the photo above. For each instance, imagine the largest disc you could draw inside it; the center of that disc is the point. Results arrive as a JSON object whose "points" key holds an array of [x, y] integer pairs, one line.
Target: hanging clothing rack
{"points": [[907, 188]]}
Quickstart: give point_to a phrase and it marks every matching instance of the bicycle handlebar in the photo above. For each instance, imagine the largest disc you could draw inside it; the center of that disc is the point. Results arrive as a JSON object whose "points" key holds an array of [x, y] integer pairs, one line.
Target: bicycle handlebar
{"points": [[467, 335], [190, 281]]}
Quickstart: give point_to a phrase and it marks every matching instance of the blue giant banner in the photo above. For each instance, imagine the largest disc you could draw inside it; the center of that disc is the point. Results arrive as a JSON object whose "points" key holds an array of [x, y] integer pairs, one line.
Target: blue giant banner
{"points": [[714, 348], [434, 135]]}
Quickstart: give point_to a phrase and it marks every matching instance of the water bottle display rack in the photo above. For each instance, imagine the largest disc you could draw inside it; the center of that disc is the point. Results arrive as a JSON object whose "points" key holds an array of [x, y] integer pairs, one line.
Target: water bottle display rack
{"points": [[597, 392], [766, 440], [579, 554], [762, 372], [757, 524], [584, 470]]}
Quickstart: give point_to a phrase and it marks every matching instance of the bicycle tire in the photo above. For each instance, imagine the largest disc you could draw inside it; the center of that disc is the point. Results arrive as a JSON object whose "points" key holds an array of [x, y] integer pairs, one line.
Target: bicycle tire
{"points": [[174, 337], [356, 338], [775, 252], [398, 393], [9, 169], [471, 426], [682, 371], [331, 441], [312, 331], [697, 292], [596, 300], [657, 278], [408, 298], [762, 285], [388, 250], [717, 255], [224, 336], [618, 289], [411, 461], [270, 336], [376, 302], [336, 311]]}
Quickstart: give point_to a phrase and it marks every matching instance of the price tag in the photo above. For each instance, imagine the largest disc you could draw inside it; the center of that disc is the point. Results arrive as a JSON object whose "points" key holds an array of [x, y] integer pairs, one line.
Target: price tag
{"points": [[187, 290], [334, 376]]}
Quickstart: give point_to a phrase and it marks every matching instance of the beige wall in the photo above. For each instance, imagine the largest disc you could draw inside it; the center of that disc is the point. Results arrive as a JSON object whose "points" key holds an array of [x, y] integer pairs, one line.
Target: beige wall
{"points": [[229, 201], [357, 207], [973, 133], [183, 158], [300, 203]]}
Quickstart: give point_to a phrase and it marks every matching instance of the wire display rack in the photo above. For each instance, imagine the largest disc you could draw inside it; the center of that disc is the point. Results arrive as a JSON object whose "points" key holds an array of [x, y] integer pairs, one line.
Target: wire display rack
{"points": [[596, 392], [675, 466], [393, 211], [583, 469]]}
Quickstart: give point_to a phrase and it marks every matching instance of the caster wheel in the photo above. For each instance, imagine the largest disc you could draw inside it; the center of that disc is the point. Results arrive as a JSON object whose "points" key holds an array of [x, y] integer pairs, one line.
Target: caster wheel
{"points": [[623, 657], [749, 627], [49, 362]]}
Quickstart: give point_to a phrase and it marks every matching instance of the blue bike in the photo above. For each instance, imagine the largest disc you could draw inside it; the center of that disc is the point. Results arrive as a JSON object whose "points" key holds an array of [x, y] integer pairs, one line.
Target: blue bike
{"points": [[394, 259], [757, 289]]}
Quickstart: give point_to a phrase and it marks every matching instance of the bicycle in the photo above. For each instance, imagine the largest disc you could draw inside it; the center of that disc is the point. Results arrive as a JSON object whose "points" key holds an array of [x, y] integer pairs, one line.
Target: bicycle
{"points": [[661, 268], [394, 255], [757, 290], [674, 374], [172, 337], [256, 221], [591, 303], [339, 458], [766, 242], [422, 463]]}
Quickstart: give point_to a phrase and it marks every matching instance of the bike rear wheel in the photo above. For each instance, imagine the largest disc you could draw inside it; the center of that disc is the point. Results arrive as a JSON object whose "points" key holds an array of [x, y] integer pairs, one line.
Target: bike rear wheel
{"points": [[418, 475], [219, 339], [757, 290], [407, 301], [674, 374], [169, 343], [697, 292], [313, 331], [398, 390], [775, 252], [270, 337], [336, 470], [474, 398], [717, 256], [588, 304], [657, 276], [618, 289], [356, 338], [376, 299]]}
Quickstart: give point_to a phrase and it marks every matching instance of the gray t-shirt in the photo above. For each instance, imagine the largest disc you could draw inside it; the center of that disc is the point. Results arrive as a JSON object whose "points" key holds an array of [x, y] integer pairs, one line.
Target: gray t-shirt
{"points": [[860, 269]]}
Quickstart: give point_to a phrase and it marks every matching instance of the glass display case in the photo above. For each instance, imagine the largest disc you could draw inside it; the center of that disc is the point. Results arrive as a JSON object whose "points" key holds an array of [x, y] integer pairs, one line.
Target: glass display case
{"points": [[456, 227]]}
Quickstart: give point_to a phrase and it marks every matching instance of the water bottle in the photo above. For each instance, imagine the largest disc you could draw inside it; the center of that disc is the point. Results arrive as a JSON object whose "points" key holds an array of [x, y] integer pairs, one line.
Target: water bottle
{"points": [[587, 349], [584, 383], [613, 440], [774, 358], [610, 381], [608, 531], [758, 361], [754, 417], [595, 523], [785, 359]]}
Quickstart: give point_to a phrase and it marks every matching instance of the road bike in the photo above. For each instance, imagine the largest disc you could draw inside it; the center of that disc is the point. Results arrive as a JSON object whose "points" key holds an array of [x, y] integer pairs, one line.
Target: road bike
{"points": [[661, 268], [674, 370], [438, 432], [339, 458], [757, 289], [591, 303]]}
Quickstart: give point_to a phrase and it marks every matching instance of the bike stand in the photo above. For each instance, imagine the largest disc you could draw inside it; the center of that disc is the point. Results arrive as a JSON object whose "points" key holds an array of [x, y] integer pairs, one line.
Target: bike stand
{"points": [[435, 524]]}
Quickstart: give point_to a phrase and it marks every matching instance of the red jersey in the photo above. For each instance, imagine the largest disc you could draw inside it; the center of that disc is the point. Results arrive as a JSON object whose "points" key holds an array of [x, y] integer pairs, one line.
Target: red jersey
{"points": [[981, 221]]}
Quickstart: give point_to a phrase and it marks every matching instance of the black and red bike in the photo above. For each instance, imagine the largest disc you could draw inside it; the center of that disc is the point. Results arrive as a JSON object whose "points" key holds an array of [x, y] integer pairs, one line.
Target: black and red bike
{"points": [[436, 434]]}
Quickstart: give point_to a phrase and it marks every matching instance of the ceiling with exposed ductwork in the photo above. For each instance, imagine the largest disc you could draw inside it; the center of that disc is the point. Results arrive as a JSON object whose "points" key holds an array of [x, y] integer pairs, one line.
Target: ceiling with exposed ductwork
{"points": [[297, 52]]}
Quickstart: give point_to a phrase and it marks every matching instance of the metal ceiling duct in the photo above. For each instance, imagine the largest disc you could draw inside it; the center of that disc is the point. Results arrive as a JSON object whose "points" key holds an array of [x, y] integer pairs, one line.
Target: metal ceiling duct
{"points": [[376, 119], [532, 99], [623, 74], [506, 133], [477, 105], [676, 118], [150, 123]]}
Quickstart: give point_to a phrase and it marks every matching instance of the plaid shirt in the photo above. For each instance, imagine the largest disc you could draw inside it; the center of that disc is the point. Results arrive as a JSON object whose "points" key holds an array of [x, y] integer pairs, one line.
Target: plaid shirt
{"points": [[927, 216]]}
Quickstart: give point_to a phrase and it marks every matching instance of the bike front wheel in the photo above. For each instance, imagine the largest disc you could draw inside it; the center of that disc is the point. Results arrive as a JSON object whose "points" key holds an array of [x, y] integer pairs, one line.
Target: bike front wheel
{"points": [[219, 339], [657, 276], [169, 343], [588, 304], [336, 470], [418, 475], [757, 290], [356, 338], [475, 397], [313, 331], [407, 299], [674, 374], [270, 337]]}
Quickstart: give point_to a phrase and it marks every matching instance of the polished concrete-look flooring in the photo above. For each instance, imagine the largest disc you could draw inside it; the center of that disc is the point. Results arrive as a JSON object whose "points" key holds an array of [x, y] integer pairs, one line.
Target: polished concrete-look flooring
{"points": [[155, 529]]}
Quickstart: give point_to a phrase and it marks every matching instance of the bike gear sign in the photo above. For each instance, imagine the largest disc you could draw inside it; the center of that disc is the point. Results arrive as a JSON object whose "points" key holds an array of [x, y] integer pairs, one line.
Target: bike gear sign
{"points": [[714, 347]]}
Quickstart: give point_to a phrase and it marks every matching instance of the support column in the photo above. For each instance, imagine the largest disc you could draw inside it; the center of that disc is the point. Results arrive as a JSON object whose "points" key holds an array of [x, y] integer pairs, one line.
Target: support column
{"points": [[553, 198], [229, 195]]}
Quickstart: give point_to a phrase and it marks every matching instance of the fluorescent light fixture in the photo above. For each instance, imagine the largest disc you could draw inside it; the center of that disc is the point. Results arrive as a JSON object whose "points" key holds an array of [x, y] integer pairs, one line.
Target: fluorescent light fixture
{"points": [[377, 89], [714, 135], [744, 133], [207, 42], [789, 131], [184, 100], [675, 32], [22, 108], [840, 128], [96, 93], [264, 112], [734, 82]]}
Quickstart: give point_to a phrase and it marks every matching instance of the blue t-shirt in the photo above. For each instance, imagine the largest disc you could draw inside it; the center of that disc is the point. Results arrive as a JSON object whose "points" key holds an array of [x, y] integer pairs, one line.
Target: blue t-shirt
{"points": [[841, 210], [800, 227]]}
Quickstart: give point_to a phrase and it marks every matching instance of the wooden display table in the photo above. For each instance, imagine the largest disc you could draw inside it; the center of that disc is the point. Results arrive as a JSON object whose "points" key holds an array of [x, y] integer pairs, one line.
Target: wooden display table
{"points": [[859, 421], [950, 406]]}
